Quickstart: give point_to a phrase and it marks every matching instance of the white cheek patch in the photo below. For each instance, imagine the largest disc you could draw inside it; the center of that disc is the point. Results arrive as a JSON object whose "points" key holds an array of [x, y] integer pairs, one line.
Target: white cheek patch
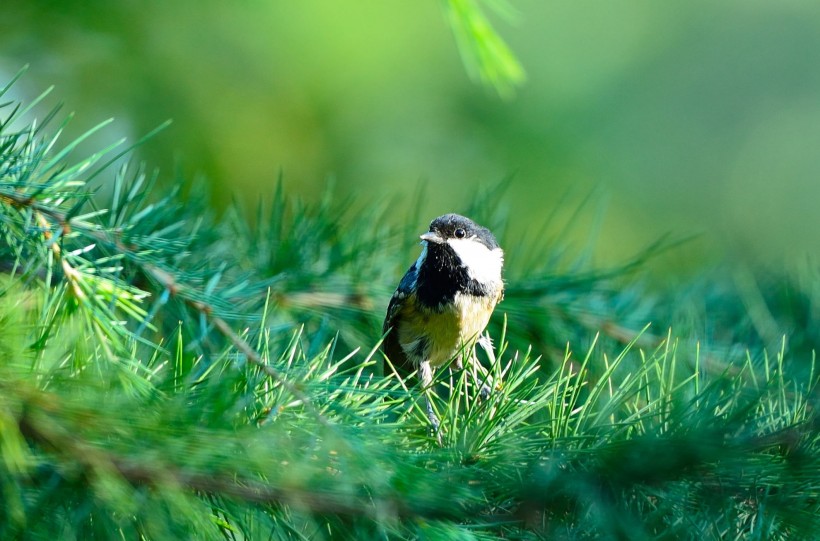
{"points": [[483, 265]]}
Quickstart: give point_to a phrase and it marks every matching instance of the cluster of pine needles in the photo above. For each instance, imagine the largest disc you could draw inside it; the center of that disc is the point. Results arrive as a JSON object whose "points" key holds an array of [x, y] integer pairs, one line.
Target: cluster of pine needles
{"points": [[165, 374]]}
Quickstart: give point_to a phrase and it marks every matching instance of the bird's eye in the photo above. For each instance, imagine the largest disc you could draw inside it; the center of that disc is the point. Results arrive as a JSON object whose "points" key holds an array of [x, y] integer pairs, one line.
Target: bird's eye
{"points": [[460, 233]]}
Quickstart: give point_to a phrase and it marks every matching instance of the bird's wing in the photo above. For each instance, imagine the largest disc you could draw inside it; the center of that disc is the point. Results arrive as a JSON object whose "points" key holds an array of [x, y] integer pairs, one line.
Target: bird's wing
{"points": [[391, 347]]}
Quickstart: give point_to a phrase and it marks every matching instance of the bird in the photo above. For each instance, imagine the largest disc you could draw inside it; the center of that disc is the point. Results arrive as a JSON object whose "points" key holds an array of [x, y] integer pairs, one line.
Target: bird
{"points": [[443, 303]]}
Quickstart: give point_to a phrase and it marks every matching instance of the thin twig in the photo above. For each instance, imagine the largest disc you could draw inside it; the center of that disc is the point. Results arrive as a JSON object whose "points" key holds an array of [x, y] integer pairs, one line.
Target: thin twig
{"points": [[164, 278], [158, 474], [174, 288]]}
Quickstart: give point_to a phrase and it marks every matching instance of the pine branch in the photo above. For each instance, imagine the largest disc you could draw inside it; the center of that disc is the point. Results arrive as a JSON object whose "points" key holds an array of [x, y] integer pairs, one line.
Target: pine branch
{"points": [[486, 56], [164, 278], [156, 475]]}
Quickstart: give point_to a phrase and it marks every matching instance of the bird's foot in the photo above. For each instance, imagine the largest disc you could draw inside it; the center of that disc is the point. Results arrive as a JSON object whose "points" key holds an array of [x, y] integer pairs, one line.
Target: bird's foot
{"points": [[435, 424]]}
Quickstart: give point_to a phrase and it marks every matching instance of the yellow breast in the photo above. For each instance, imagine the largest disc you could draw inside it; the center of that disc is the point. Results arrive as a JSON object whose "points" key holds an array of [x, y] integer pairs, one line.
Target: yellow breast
{"points": [[438, 336]]}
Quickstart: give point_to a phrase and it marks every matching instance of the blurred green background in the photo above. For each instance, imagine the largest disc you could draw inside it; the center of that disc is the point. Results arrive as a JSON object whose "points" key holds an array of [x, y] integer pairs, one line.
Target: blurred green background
{"points": [[687, 117]]}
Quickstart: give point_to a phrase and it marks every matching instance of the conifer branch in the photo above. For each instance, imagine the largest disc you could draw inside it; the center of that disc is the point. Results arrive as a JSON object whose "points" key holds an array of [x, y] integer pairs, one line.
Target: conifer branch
{"points": [[166, 280], [35, 424], [162, 277]]}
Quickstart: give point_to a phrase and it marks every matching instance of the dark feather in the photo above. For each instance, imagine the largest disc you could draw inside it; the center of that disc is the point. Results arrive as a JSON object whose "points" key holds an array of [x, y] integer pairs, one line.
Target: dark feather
{"points": [[391, 347], [442, 276]]}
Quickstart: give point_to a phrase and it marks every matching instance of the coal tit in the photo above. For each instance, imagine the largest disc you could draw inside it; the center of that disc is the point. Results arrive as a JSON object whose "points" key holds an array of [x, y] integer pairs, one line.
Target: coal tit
{"points": [[444, 301]]}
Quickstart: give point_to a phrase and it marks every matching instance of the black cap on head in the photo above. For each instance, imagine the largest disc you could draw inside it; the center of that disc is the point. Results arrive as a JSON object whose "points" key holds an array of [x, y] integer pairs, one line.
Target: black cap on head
{"points": [[455, 226]]}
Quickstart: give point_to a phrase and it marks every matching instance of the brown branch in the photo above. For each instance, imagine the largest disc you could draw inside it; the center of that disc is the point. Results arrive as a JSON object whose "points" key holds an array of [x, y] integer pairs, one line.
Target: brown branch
{"points": [[43, 431], [165, 279], [72, 275], [174, 288]]}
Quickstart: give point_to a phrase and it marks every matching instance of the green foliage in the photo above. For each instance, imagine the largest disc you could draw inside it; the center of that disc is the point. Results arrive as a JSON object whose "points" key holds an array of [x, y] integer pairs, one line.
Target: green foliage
{"points": [[485, 54], [167, 375]]}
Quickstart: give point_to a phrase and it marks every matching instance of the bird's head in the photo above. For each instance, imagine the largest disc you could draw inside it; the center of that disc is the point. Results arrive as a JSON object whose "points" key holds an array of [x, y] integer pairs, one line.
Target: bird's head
{"points": [[467, 244]]}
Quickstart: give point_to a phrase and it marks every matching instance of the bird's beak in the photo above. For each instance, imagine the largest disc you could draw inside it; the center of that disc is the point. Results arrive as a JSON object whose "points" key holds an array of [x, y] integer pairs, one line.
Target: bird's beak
{"points": [[432, 237]]}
